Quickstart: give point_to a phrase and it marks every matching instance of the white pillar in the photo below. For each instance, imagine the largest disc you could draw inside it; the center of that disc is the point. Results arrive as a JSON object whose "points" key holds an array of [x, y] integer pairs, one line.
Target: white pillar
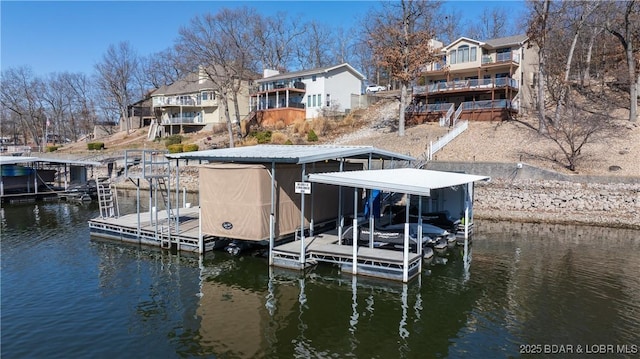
{"points": [[272, 217], [302, 248], [405, 255], [354, 267]]}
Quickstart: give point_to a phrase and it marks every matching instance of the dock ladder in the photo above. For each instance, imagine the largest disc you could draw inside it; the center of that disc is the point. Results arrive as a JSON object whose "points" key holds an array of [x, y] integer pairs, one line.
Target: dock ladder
{"points": [[107, 200]]}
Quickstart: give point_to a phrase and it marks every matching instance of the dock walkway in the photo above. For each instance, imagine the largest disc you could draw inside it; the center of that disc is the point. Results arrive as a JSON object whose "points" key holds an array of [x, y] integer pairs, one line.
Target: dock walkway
{"points": [[156, 233], [324, 247]]}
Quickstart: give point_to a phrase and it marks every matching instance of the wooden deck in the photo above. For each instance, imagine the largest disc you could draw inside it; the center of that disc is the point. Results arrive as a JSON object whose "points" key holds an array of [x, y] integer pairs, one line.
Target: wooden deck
{"points": [[160, 232], [375, 262]]}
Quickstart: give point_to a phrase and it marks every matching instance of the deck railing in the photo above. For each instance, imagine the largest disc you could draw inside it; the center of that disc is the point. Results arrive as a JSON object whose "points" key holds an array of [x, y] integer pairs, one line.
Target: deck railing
{"points": [[446, 119], [470, 84]]}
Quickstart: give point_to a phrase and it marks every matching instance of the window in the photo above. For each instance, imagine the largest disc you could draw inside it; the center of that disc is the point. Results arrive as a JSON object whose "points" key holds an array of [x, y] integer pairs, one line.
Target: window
{"points": [[453, 57], [473, 54], [314, 100], [308, 100], [328, 97], [313, 77], [319, 100], [463, 54]]}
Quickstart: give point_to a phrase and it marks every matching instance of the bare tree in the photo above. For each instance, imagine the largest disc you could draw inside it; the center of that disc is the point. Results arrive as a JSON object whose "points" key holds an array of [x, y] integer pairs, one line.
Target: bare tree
{"points": [[537, 33], [20, 95], [116, 80], [577, 14], [217, 45], [625, 26], [491, 24], [449, 26], [576, 128], [314, 46], [275, 40], [400, 37], [161, 68]]}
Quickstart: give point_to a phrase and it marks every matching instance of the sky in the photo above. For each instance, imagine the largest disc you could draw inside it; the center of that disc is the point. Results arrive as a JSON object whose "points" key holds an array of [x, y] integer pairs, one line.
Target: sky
{"points": [[72, 36]]}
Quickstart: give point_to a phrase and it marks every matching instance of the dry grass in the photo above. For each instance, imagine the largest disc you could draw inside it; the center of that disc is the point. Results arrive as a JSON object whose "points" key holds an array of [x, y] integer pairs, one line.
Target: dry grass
{"points": [[279, 138]]}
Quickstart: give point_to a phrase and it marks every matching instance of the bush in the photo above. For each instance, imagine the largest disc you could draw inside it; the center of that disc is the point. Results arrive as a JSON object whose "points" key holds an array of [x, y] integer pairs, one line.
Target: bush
{"points": [[288, 142], [95, 146], [300, 126], [189, 147], [175, 148], [52, 148], [311, 136], [172, 140], [278, 138], [262, 136]]}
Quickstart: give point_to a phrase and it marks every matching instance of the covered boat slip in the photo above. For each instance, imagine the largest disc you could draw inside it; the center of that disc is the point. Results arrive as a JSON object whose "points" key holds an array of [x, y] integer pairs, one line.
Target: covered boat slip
{"points": [[372, 261], [36, 177]]}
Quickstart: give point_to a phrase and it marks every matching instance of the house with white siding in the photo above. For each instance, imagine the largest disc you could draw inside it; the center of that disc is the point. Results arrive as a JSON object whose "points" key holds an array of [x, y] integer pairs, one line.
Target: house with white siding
{"points": [[304, 94]]}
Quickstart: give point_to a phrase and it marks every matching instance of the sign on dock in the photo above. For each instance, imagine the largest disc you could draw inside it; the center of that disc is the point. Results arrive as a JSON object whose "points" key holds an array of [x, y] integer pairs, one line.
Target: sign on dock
{"points": [[303, 187]]}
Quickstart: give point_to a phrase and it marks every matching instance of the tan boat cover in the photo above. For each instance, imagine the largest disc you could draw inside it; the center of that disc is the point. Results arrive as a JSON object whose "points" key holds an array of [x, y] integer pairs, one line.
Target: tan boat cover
{"points": [[235, 199]]}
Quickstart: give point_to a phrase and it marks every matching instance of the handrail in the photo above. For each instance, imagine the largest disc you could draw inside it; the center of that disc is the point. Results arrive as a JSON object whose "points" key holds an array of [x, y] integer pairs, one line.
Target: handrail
{"points": [[457, 114], [442, 141], [446, 120]]}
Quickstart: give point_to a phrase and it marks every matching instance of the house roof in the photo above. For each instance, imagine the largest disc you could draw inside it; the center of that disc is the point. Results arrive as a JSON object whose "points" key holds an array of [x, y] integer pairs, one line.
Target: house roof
{"points": [[460, 39], [506, 41], [400, 180], [188, 84], [316, 71], [491, 43], [298, 154]]}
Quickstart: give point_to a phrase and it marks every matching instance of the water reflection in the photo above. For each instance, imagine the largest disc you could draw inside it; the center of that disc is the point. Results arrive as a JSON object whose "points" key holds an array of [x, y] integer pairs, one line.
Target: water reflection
{"points": [[64, 295]]}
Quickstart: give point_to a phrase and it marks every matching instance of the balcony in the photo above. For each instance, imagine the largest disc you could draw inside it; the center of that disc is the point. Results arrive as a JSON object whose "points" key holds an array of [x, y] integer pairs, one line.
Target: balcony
{"points": [[466, 85], [501, 57], [182, 120], [182, 101], [278, 86]]}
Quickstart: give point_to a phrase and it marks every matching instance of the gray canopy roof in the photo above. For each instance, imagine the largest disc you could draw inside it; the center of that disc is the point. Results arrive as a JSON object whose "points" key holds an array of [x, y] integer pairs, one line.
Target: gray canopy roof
{"points": [[298, 154]]}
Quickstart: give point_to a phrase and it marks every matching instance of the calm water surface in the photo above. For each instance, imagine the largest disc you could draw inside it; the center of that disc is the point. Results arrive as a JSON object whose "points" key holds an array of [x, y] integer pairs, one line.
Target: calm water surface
{"points": [[65, 295]]}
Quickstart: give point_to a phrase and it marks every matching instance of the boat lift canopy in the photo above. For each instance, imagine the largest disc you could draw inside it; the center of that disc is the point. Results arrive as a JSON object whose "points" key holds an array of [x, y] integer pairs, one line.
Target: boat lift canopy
{"points": [[400, 180], [410, 181]]}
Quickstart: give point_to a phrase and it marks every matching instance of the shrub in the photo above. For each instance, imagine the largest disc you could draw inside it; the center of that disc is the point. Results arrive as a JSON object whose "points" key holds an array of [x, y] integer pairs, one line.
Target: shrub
{"points": [[321, 125], [262, 136], [280, 125], [278, 138], [95, 146], [189, 147], [248, 141], [311, 136], [52, 148], [172, 140], [300, 126], [288, 142], [175, 148]]}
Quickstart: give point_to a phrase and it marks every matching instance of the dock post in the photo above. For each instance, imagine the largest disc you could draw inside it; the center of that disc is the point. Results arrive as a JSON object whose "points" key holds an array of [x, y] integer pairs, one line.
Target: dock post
{"points": [[354, 264], [302, 248], [405, 251], [272, 217], [340, 212]]}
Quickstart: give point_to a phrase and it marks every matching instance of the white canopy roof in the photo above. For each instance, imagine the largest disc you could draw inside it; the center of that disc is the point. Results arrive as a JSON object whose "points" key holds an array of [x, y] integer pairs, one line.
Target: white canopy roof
{"points": [[401, 180]]}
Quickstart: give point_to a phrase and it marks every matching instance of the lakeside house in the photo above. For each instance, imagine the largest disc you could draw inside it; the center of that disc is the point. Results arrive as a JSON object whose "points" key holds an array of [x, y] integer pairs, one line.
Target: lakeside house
{"points": [[306, 94], [192, 104], [476, 80]]}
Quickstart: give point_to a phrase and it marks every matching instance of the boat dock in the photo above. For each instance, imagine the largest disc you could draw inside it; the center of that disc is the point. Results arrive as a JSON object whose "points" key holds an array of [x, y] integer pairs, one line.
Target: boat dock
{"points": [[324, 247], [145, 229]]}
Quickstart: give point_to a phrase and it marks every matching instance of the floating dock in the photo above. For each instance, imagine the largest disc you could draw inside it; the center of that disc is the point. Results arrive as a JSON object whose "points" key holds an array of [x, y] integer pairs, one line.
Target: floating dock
{"points": [[144, 229], [324, 247]]}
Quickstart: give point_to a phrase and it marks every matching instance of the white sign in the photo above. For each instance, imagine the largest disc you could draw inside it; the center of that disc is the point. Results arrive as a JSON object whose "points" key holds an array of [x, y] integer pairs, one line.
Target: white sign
{"points": [[303, 187]]}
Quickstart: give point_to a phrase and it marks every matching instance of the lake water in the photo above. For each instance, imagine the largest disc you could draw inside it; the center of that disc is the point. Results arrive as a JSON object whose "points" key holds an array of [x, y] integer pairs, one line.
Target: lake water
{"points": [[530, 288]]}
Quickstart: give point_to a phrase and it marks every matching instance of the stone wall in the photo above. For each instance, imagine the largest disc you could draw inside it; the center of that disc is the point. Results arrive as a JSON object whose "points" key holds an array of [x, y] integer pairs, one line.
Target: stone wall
{"points": [[549, 201]]}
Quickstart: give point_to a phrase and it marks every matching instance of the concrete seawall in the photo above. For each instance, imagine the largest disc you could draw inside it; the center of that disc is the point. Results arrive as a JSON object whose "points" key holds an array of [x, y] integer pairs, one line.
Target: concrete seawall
{"points": [[528, 194]]}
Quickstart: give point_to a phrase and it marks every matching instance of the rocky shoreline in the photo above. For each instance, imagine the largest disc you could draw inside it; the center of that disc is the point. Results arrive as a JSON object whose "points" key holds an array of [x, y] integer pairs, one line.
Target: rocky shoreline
{"points": [[525, 200], [561, 202]]}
